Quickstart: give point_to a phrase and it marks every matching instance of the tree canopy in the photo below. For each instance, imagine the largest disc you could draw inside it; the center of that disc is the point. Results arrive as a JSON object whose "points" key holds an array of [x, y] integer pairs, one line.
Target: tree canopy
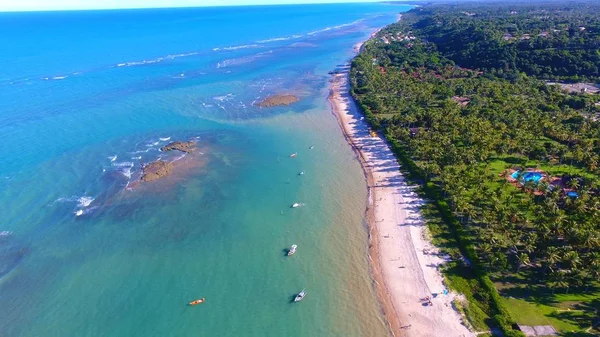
{"points": [[463, 89]]}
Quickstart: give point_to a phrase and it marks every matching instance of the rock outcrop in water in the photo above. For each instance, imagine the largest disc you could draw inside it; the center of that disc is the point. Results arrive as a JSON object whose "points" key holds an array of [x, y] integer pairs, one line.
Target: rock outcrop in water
{"points": [[180, 146], [156, 170], [278, 100]]}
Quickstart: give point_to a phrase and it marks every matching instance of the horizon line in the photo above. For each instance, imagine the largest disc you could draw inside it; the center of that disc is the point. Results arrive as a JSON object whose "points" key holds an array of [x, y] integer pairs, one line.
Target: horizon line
{"points": [[169, 6]]}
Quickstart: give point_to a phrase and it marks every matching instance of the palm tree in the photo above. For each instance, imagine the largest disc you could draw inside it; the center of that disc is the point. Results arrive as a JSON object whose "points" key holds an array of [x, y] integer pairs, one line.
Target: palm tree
{"points": [[558, 280], [523, 260], [574, 183], [553, 256], [571, 259]]}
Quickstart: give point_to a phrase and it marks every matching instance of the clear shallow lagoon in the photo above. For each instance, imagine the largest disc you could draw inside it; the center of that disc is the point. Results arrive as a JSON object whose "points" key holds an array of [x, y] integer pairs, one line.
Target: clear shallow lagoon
{"points": [[86, 97]]}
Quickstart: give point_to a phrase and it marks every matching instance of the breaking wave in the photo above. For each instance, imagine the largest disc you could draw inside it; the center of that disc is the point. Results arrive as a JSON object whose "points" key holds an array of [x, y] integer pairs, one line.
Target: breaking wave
{"points": [[245, 46], [84, 201]]}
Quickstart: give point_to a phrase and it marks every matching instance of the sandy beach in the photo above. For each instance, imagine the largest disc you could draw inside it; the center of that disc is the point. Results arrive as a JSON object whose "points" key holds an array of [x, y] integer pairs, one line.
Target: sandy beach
{"points": [[404, 262]]}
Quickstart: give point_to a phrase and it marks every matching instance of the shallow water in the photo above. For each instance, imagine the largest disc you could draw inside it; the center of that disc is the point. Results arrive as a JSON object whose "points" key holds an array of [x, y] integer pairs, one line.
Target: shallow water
{"points": [[91, 96]]}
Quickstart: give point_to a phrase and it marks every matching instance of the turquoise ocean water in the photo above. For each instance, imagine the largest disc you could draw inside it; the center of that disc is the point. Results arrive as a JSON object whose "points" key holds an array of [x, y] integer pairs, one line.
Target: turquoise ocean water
{"points": [[87, 97]]}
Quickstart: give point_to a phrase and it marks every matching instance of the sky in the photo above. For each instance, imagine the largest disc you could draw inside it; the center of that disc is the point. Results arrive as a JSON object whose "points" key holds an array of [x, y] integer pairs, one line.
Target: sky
{"points": [[44, 5]]}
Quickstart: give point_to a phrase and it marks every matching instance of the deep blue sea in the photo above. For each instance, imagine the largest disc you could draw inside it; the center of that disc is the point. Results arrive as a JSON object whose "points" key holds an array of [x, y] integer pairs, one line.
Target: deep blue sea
{"points": [[87, 98]]}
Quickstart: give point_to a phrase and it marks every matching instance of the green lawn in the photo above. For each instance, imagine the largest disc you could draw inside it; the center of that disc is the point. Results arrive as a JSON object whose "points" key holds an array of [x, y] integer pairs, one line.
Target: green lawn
{"points": [[527, 313], [570, 313]]}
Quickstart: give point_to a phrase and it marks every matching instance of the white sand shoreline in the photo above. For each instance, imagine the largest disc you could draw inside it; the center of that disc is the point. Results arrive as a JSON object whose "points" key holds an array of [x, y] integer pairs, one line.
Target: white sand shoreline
{"points": [[404, 263]]}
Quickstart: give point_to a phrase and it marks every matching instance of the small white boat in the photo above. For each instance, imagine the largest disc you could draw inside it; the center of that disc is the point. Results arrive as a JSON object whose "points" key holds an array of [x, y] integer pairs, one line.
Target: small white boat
{"points": [[292, 250], [293, 154], [300, 296], [301, 173], [295, 205]]}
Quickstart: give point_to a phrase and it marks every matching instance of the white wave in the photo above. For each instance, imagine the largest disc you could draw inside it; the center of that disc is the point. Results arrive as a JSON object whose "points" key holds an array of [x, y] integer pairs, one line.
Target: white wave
{"points": [[127, 172], [275, 39], [246, 46], [84, 201], [59, 77], [112, 158], [123, 164], [67, 199], [165, 139], [5, 233], [178, 158], [156, 60], [181, 55], [241, 60], [303, 45], [136, 158], [224, 97], [326, 29], [139, 63], [140, 151], [81, 212]]}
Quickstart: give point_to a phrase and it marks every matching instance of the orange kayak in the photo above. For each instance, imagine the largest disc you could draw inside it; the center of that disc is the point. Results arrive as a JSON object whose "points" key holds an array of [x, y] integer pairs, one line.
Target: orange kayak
{"points": [[200, 301]]}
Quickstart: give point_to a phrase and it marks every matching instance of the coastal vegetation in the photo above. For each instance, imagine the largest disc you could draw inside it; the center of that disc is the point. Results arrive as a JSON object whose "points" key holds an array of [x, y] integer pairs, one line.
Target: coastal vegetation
{"points": [[461, 92]]}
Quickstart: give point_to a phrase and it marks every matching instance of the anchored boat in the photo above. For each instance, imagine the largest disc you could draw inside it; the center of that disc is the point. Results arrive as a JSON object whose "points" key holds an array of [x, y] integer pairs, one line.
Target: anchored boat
{"points": [[196, 302], [300, 296], [292, 250]]}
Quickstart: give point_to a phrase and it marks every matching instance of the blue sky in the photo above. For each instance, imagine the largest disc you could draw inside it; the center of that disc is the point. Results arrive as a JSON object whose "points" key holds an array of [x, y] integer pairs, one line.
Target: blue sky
{"points": [[42, 5]]}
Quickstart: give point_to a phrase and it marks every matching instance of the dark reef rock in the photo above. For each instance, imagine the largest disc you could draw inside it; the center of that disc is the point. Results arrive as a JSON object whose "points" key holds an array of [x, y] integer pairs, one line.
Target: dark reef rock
{"points": [[156, 170], [179, 146], [277, 100]]}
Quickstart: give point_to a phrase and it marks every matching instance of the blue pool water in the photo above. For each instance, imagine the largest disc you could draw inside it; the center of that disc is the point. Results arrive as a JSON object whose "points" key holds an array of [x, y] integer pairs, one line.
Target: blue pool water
{"points": [[528, 176], [87, 97]]}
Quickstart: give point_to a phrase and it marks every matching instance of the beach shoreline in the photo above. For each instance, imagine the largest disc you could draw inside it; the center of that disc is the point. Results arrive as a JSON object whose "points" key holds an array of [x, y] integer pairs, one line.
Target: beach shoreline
{"points": [[404, 264]]}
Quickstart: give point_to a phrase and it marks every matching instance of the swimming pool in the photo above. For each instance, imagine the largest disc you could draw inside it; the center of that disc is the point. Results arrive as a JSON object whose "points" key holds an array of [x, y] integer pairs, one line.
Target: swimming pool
{"points": [[572, 194], [528, 176]]}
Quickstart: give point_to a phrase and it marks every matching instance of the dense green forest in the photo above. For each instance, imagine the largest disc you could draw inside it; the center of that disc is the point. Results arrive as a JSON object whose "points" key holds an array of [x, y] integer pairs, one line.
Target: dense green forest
{"points": [[461, 90], [549, 40]]}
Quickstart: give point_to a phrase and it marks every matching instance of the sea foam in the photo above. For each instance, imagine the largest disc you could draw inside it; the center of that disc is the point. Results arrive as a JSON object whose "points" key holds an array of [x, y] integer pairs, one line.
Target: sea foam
{"points": [[123, 164], [84, 201]]}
